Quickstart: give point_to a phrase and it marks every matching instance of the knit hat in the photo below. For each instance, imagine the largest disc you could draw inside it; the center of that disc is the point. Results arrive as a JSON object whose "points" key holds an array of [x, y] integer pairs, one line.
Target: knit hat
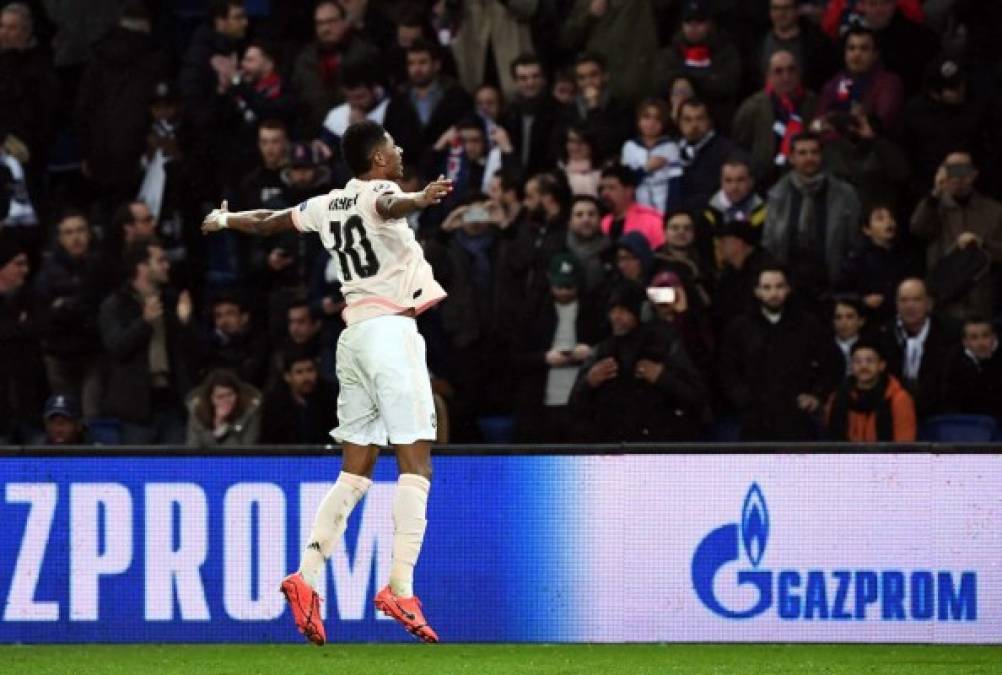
{"points": [[627, 295], [638, 246]]}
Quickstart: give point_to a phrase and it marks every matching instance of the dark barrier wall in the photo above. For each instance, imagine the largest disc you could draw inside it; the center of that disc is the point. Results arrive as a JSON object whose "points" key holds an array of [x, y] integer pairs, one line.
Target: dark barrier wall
{"points": [[607, 544]]}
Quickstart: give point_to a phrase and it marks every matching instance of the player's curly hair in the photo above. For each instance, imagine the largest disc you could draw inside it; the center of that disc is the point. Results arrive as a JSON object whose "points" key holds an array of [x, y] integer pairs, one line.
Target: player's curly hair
{"points": [[359, 142]]}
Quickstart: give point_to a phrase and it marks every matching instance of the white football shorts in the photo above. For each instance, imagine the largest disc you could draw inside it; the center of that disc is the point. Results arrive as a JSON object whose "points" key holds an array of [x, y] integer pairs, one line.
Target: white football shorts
{"points": [[385, 388]]}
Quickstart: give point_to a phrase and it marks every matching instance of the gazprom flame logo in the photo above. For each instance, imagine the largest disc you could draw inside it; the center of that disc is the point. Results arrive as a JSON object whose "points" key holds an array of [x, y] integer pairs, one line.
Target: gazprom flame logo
{"points": [[818, 594], [754, 524]]}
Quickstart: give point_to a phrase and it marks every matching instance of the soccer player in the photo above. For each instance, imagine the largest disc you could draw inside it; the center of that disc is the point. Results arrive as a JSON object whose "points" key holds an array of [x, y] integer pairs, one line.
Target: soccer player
{"points": [[385, 388]]}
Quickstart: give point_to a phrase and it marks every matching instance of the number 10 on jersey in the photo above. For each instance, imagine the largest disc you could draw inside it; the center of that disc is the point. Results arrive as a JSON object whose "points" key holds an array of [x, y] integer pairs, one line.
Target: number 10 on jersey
{"points": [[351, 245]]}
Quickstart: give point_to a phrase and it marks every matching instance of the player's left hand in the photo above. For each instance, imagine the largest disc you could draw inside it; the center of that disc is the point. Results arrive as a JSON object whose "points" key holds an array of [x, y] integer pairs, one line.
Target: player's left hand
{"points": [[436, 191], [213, 222]]}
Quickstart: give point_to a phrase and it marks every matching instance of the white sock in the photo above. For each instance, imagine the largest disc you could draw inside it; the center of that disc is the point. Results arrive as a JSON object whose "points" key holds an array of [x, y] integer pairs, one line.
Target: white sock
{"points": [[410, 504], [329, 523]]}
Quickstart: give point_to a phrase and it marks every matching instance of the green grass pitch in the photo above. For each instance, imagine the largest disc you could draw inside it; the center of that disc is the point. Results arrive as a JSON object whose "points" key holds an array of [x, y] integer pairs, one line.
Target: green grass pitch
{"points": [[503, 659]]}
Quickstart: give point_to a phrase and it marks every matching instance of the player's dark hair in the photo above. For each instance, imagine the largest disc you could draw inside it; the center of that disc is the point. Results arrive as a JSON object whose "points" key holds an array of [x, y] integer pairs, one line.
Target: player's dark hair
{"points": [[526, 59], [294, 354], [591, 57], [138, 253], [360, 140], [220, 9]]}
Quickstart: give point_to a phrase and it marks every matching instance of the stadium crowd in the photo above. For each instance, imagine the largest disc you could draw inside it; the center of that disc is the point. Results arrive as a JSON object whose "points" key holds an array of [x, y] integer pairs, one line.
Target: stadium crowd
{"points": [[773, 220]]}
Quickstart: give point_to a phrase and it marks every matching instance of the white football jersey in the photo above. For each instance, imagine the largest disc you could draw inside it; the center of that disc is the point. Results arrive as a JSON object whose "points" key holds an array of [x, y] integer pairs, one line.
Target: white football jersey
{"points": [[380, 264]]}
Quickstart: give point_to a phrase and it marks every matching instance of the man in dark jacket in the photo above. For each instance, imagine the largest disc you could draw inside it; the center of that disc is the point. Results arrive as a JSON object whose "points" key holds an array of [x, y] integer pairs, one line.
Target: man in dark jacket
{"points": [[596, 108], [972, 380], [777, 365], [316, 75], [302, 409], [427, 106], [554, 337], [22, 389], [71, 285], [112, 107], [703, 151], [235, 343], [533, 117], [153, 347], [707, 58], [207, 69], [639, 385], [905, 45], [793, 32], [916, 344]]}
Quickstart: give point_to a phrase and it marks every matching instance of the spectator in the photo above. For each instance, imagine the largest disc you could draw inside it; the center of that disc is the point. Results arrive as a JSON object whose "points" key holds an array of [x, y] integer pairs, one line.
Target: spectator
{"points": [[30, 88], [578, 161], [736, 201], [945, 116], [793, 32], [639, 385], [533, 117], [972, 380], [153, 347], [302, 331], [679, 254], [916, 345], [112, 108], [839, 15], [63, 422], [223, 410], [596, 108], [863, 156], [703, 153], [586, 242], [873, 270], [957, 216], [634, 260], [618, 189], [741, 257], [429, 104], [673, 308], [525, 258], [369, 21], [812, 220], [847, 321], [365, 98], [207, 70], [490, 105], [302, 409], [680, 90], [654, 156], [22, 389], [706, 57], [235, 343], [553, 339], [768, 121], [475, 279], [906, 45], [497, 26], [73, 281], [870, 406], [864, 82], [17, 212], [624, 34], [319, 67], [776, 365]]}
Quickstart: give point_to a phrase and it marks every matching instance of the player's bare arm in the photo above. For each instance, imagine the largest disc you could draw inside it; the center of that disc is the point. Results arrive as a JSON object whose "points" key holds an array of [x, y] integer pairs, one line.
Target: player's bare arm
{"points": [[392, 206], [261, 222]]}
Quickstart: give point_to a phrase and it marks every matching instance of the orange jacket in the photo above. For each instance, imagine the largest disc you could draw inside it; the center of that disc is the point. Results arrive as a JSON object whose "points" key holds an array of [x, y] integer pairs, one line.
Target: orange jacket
{"points": [[863, 426]]}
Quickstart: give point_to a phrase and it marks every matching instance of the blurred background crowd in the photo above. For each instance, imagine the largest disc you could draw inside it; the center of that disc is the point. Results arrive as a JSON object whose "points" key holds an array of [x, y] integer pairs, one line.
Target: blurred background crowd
{"points": [[765, 220]]}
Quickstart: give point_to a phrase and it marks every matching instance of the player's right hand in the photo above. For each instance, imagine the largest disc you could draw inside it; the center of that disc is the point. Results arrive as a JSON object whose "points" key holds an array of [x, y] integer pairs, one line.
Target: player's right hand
{"points": [[214, 221], [436, 191]]}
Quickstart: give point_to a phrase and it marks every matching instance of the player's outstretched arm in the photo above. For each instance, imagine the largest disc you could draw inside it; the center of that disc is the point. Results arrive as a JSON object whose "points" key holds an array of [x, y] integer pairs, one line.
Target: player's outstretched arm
{"points": [[392, 206], [262, 222]]}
